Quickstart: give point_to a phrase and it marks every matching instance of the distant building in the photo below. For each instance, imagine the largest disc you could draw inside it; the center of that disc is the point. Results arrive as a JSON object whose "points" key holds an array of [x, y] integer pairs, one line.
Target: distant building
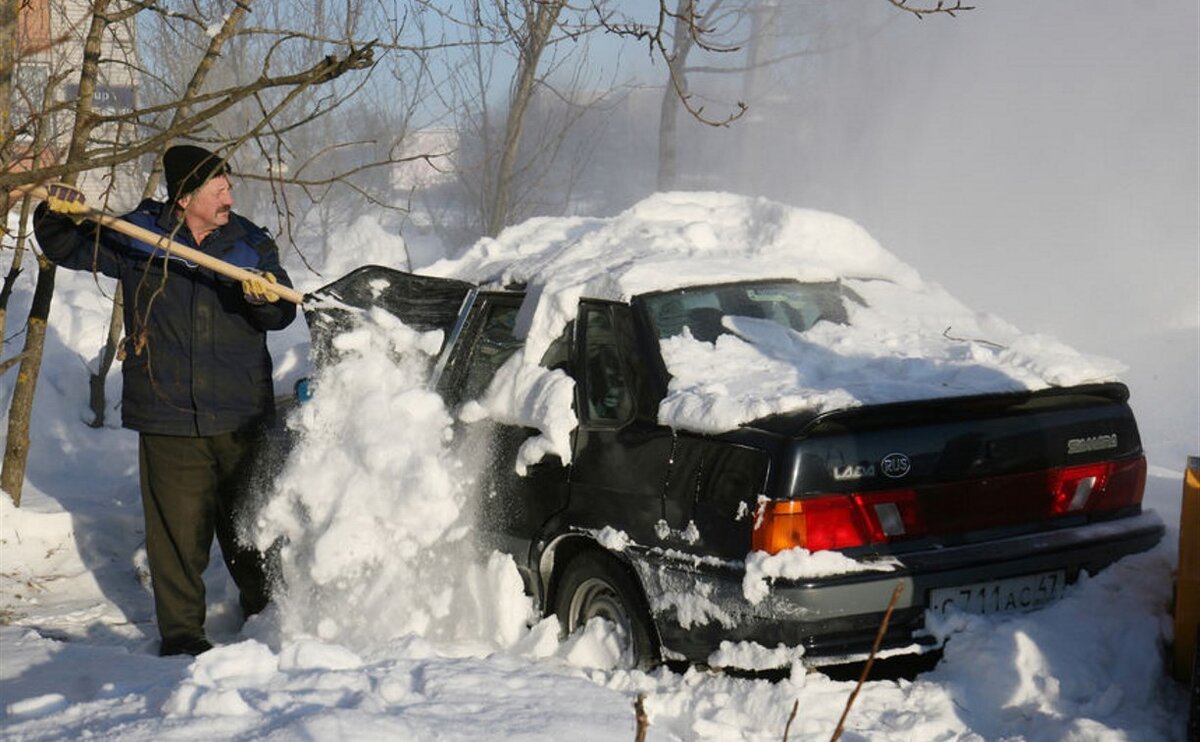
{"points": [[435, 148], [46, 86]]}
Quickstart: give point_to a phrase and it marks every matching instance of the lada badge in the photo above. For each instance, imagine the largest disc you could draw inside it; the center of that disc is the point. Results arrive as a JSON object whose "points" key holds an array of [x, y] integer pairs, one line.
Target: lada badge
{"points": [[852, 471]]}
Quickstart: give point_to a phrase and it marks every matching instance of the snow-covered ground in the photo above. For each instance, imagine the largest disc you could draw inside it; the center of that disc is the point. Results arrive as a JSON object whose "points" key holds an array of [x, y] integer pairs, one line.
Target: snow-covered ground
{"points": [[395, 626]]}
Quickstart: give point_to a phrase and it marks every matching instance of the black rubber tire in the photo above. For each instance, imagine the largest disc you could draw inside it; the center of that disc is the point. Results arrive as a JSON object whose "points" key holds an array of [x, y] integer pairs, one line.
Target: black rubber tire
{"points": [[593, 585]]}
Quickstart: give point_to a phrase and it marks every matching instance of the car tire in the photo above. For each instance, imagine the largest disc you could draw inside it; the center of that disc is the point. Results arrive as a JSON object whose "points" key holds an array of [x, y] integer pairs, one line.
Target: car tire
{"points": [[597, 586]]}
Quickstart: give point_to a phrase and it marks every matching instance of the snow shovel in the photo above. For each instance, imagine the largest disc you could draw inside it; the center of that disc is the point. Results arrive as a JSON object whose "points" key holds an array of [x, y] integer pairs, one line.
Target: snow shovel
{"points": [[216, 265], [421, 302]]}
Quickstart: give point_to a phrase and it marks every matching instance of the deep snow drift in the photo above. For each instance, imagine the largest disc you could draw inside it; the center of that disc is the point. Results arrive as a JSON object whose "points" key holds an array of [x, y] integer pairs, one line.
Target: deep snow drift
{"points": [[393, 626], [910, 339]]}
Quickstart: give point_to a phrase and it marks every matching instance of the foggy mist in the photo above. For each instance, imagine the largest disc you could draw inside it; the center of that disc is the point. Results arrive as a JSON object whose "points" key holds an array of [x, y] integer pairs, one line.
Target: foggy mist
{"points": [[1038, 159]]}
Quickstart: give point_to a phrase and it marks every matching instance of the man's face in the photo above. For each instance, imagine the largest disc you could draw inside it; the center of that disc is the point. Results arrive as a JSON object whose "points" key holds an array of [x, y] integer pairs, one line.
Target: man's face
{"points": [[208, 207]]}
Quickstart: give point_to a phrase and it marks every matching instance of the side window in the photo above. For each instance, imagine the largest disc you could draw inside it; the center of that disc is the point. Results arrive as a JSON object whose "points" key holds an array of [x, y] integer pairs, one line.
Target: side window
{"points": [[493, 346], [496, 343], [606, 389]]}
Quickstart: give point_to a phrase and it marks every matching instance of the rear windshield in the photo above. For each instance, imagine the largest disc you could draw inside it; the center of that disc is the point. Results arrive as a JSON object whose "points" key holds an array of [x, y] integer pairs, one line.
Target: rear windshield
{"points": [[795, 305]]}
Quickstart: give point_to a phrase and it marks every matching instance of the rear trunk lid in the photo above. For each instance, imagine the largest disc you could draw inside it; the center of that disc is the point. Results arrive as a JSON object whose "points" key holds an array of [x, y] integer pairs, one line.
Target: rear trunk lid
{"points": [[950, 470]]}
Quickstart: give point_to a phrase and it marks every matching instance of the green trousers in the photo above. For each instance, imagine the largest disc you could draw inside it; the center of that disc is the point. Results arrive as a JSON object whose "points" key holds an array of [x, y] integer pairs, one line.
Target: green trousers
{"points": [[192, 488]]}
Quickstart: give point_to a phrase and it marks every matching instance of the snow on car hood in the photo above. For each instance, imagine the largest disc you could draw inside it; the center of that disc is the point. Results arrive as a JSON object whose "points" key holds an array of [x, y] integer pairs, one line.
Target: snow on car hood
{"points": [[911, 340]]}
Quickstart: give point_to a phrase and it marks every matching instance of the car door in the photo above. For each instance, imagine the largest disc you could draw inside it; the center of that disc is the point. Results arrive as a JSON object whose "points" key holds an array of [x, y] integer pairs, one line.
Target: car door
{"points": [[511, 509], [620, 467], [684, 493]]}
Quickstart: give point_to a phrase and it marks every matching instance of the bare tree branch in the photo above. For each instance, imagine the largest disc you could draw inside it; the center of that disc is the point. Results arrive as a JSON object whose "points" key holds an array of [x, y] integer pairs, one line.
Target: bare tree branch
{"points": [[941, 7], [329, 68]]}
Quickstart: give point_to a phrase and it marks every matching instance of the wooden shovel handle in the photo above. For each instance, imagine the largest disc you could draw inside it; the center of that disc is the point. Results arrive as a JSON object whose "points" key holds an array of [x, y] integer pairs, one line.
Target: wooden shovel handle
{"points": [[216, 265]]}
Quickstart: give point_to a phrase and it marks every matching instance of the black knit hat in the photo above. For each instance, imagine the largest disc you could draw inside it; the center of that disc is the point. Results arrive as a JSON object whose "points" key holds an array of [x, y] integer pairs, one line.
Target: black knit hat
{"points": [[187, 167]]}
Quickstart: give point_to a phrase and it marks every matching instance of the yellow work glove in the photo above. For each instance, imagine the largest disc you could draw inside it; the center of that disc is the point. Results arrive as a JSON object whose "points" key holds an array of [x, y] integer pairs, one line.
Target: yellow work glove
{"points": [[257, 290], [67, 200]]}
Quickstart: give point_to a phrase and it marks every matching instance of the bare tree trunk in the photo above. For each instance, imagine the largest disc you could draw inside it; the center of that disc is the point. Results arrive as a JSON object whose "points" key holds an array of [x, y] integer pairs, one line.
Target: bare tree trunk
{"points": [[539, 28], [10, 156], [14, 268], [8, 60], [10, 280], [20, 412], [674, 92], [762, 33], [116, 324], [668, 137]]}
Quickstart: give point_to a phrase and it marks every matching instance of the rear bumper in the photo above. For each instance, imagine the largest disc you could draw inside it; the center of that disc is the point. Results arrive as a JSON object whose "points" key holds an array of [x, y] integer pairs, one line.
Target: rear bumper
{"points": [[835, 619]]}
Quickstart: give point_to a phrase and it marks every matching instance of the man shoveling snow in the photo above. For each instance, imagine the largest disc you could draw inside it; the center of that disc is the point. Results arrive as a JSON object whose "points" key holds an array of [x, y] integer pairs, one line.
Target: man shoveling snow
{"points": [[197, 373]]}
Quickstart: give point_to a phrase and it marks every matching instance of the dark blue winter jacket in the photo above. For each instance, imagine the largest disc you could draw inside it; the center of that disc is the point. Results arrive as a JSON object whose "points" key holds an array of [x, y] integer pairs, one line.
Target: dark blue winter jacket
{"points": [[196, 360]]}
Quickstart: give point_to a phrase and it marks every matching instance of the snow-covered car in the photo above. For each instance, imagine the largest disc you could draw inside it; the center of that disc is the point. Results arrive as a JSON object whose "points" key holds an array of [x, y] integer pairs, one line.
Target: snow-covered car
{"points": [[737, 459]]}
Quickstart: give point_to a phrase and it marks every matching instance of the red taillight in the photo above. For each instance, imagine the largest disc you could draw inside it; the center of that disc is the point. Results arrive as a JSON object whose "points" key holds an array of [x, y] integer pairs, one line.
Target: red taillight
{"points": [[1072, 487], [814, 524], [859, 519], [836, 521], [891, 514], [1124, 485], [1108, 485]]}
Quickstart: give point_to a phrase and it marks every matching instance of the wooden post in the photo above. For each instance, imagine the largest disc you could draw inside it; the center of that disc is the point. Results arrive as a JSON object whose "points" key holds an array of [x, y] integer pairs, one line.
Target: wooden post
{"points": [[1187, 589]]}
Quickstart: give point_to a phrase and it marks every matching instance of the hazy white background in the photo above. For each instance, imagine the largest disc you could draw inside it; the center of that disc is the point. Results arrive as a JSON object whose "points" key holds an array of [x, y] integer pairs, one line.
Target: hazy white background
{"points": [[1039, 159]]}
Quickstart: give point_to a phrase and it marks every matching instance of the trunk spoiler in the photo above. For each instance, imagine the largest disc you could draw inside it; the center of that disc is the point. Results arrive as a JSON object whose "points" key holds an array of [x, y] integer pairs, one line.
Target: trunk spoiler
{"points": [[943, 408]]}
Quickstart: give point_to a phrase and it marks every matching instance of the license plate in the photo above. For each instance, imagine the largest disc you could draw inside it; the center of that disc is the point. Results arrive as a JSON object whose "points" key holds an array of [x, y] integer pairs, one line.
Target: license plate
{"points": [[1000, 596]]}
